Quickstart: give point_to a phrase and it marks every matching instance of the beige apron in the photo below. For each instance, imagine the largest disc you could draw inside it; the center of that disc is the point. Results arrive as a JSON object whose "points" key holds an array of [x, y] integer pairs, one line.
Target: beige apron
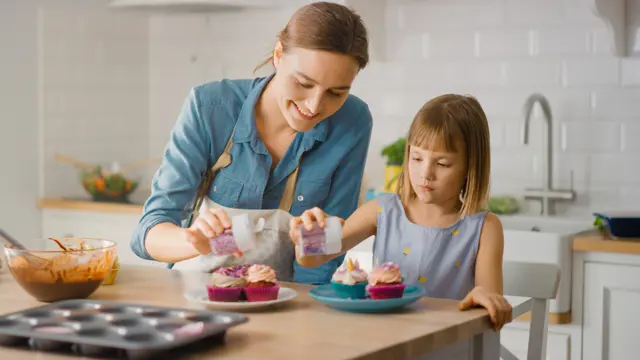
{"points": [[273, 245]]}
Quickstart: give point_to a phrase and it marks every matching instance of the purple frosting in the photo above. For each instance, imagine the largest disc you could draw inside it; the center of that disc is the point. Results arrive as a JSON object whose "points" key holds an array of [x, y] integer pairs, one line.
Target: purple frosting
{"points": [[234, 271]]}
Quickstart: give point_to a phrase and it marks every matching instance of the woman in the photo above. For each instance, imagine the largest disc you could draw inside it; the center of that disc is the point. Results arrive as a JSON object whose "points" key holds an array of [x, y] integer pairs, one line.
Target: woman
{"points": [[296, 139]]}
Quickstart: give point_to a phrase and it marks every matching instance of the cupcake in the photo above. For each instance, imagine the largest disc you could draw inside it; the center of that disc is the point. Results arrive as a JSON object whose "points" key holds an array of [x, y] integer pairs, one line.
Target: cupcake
{"points": [[350, 281], [385, 282], [261, 284], [227, 284]]}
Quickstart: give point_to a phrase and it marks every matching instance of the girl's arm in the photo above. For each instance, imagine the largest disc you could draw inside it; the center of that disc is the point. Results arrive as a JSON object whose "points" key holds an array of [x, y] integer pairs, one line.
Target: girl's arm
{"points": [[357, 228], [490, 250], [488, 284]]}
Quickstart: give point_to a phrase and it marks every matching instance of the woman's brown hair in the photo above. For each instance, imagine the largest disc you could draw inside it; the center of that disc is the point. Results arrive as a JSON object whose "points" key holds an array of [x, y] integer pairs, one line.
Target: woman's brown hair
{"points": [[460, 124], [325, 26]]}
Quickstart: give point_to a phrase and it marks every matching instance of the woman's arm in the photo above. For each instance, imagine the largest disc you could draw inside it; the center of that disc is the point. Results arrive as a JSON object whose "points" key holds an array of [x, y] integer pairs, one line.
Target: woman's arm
{"points": [[344, 194], [357, 228], [159, 235]]}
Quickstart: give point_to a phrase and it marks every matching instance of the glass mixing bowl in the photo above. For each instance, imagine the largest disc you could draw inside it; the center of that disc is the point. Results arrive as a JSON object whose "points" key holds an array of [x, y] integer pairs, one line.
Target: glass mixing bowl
{"points": [[53, 273]]}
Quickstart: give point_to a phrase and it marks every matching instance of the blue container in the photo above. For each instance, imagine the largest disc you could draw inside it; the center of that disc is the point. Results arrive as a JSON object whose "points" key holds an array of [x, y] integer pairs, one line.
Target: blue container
{"points": [[622, 224]]}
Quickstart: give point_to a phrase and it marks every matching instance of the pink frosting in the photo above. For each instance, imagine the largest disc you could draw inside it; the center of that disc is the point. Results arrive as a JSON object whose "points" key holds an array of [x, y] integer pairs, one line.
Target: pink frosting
{"points": [[387, 273], [258, 273]]}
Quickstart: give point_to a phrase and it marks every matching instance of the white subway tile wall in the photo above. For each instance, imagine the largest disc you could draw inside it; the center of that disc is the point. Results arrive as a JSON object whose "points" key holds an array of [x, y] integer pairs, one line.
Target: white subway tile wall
{"points": [[500, 51], [94, 85]]}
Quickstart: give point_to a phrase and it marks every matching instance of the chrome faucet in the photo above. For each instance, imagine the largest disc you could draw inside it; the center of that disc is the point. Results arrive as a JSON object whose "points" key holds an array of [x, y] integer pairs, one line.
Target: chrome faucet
{"points": [[546, 194]]}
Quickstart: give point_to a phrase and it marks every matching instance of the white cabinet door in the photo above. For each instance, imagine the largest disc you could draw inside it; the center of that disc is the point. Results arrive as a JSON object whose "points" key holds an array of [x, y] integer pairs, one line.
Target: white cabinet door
{"points": [[110, 226], [611, 322]]}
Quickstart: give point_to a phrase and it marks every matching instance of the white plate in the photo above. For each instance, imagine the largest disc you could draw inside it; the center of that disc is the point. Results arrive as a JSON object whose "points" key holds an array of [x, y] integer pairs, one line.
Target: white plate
{"points": [[200, 296]]}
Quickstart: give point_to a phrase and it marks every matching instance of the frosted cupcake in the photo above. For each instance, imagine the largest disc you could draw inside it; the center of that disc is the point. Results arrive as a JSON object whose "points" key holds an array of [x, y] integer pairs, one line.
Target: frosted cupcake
{"points": [[261, 284], [350, 281], [385, 282], [227, 285]]}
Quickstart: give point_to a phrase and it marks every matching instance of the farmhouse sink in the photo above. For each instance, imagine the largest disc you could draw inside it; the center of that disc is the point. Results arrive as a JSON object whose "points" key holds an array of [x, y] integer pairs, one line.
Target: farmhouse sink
{"points": [[547, 240], [526, 238]]}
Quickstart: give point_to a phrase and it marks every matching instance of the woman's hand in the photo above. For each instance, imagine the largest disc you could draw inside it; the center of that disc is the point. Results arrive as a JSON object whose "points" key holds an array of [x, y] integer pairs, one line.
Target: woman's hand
{"points": [[208, 224], [498, 307], [307, 218]]}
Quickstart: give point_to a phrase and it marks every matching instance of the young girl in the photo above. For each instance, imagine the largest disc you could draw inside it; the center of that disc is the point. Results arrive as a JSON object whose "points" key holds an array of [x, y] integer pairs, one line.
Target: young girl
{"points": [[435, 227]]}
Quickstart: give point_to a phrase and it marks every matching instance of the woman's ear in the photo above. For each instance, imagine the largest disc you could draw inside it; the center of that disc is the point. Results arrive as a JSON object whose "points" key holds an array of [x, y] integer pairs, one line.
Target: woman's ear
{"points": [[277, 54]]}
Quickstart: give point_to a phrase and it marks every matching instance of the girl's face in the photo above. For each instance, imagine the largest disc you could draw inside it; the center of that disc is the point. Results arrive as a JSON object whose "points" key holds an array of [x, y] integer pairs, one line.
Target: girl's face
{"points": [[313, 84], [436, 176]]}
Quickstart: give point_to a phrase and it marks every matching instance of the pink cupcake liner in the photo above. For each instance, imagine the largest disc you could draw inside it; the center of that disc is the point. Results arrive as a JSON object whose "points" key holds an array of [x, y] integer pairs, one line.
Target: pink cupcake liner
{"points": [[230, 294], [380, 292], [255, 294]]}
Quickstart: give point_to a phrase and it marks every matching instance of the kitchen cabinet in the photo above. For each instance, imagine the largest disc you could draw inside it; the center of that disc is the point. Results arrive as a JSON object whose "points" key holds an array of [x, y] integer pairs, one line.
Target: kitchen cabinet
{"points": [[611, 321], [117, 227]]}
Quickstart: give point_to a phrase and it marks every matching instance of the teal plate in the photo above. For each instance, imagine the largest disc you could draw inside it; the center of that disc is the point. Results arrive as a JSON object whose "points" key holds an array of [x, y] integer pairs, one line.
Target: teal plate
{"points": [[326, 294]]}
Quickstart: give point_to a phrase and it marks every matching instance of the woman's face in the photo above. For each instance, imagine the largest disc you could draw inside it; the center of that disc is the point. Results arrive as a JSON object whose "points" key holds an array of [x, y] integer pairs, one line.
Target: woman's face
{"points": [[313, 84]]}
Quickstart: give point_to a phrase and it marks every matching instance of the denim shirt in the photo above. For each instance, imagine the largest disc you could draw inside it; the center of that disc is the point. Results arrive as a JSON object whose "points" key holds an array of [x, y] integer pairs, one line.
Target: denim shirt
{"points": [[332, 157]]}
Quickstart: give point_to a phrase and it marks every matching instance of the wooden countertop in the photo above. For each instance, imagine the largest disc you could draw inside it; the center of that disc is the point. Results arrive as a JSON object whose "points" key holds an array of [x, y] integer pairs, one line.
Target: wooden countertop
{"points": [[88, 205], [596, 241], [300, 329]]}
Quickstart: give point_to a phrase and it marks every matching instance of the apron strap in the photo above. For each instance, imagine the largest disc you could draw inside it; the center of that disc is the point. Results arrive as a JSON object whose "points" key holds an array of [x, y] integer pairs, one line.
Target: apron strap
{"points": [[289, 191], [225, 160]]}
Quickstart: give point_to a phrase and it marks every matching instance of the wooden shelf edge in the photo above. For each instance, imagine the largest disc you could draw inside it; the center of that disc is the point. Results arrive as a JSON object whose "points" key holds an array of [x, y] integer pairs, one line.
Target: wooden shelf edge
{"points": [[93, 206]]}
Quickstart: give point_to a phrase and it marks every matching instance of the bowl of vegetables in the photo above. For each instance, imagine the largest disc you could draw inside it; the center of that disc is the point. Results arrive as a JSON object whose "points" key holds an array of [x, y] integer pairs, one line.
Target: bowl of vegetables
{"points": [[104, 184]]}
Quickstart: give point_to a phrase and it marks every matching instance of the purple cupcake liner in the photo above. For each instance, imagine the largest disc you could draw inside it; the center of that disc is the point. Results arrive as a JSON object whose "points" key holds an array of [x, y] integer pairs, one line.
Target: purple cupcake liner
{"points": [[255, 294], [230, 294], [380, 292]]}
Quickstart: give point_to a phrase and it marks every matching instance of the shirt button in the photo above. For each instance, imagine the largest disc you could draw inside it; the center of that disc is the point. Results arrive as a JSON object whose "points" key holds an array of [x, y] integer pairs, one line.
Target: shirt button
{"points": [[214, 188], [300, 197]]}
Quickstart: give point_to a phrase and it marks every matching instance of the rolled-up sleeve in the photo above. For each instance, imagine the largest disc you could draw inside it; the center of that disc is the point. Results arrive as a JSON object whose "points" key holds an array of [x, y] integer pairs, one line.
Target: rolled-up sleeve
{"points": [[176, 182], [343, 196]]}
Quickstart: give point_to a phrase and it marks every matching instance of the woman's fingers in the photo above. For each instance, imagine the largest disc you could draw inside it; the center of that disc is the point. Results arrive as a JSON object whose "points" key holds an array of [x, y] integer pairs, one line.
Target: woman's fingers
{"points": [[294, 233], [307, 218], [198, 240], [204, 227], [212, 222], [319, 216], [222, 216]]}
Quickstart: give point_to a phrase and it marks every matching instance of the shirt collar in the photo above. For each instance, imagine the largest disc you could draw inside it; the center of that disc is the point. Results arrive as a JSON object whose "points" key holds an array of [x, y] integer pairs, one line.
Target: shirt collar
{"points": [[245, 129]]}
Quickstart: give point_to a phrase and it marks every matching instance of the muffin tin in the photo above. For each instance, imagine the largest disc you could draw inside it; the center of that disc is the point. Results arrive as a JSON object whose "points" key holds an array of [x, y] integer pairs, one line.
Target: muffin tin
{"points": [[115, 330]]}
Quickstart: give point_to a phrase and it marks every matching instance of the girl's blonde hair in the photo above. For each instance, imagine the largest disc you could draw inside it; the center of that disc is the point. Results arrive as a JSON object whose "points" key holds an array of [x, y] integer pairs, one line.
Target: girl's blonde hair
{"points": [[459, 123]]}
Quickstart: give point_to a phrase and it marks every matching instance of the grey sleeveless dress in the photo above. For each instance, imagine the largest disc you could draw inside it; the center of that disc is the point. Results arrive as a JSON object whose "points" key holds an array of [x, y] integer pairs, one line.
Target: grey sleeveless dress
{"points": [[441, 260]]}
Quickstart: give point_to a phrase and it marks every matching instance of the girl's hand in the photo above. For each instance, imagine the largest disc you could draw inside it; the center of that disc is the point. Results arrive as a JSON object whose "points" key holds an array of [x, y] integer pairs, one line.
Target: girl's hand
{"points": [[498, 307], [208, 224], [307, 218]]}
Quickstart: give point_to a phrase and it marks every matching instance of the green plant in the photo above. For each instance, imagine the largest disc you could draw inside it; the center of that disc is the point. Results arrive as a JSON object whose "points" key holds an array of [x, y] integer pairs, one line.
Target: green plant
{"points": [[395, 152]]}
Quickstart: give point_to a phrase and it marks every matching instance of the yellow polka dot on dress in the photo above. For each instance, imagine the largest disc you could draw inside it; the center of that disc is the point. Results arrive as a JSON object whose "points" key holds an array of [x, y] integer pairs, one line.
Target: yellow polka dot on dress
{"points": [[422, 279], [406, 251], [379, 208], [377, 261], [455, 232], [458, 263]]}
